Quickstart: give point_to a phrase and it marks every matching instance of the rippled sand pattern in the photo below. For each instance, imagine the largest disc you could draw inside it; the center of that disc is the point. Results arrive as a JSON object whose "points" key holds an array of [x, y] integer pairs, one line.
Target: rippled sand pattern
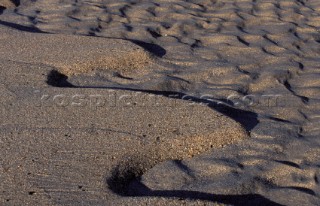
{"points": [[258, 56]]}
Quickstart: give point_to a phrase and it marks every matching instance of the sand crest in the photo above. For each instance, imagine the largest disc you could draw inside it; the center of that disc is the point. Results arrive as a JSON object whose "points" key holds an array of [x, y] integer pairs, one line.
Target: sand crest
{"points": [[74, 54], [119, 102], [7, 4], [126, 132]]}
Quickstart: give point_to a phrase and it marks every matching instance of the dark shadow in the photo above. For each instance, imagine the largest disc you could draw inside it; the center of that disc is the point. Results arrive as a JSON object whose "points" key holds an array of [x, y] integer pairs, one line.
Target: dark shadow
{"points": [[2, 9], [279, 119], [21, 27], [152, 48], [154, 33], [124, 178], [117, 74], [140, 190], [16, 2], [183, 167], [292, 164], [58, 79], [247, 119], [301, 189], [126, 183], [288, 86]]}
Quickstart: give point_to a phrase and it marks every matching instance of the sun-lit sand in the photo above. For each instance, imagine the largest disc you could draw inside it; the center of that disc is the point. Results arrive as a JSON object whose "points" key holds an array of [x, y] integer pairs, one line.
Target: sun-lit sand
{"points": [[170, 102]]}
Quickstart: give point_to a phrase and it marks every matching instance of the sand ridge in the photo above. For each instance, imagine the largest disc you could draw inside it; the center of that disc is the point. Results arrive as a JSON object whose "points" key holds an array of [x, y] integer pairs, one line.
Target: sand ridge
{"points": [[74, 55], [257, 56], [8, 4], [113, 132]]}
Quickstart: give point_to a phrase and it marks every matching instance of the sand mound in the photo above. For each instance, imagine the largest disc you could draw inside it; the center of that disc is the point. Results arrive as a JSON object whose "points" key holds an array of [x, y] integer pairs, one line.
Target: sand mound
{"points": [[8, 3], [74, 54], [259, 56], [126, 132]]}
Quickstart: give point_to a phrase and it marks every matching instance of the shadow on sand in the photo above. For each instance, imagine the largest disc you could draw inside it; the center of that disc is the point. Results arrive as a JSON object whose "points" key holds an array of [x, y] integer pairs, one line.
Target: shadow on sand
{"points": [[247, 119], [126, 183], [140, 190], [154, 49]]}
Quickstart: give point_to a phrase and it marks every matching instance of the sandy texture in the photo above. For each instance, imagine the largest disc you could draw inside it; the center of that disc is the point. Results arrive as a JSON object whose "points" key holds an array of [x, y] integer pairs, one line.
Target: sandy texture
{"points": [[73, 54], [252, 65], [7, 4], [63, 143]]}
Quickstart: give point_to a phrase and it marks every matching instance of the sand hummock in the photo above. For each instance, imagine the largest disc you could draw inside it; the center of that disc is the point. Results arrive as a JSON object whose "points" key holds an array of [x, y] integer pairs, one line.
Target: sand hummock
{"points": [[7, 4], [170, 102], [73, 55], [124, 131]]}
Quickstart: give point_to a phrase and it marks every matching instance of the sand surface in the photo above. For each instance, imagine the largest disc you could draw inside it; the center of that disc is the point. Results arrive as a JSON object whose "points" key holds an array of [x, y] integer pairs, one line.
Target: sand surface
{"points": [[201, 102]]}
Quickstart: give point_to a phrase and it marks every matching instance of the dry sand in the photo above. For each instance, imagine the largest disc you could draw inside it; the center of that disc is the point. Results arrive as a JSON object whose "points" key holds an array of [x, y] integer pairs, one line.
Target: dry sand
{"points": [[160, 102], [7, 4]]}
